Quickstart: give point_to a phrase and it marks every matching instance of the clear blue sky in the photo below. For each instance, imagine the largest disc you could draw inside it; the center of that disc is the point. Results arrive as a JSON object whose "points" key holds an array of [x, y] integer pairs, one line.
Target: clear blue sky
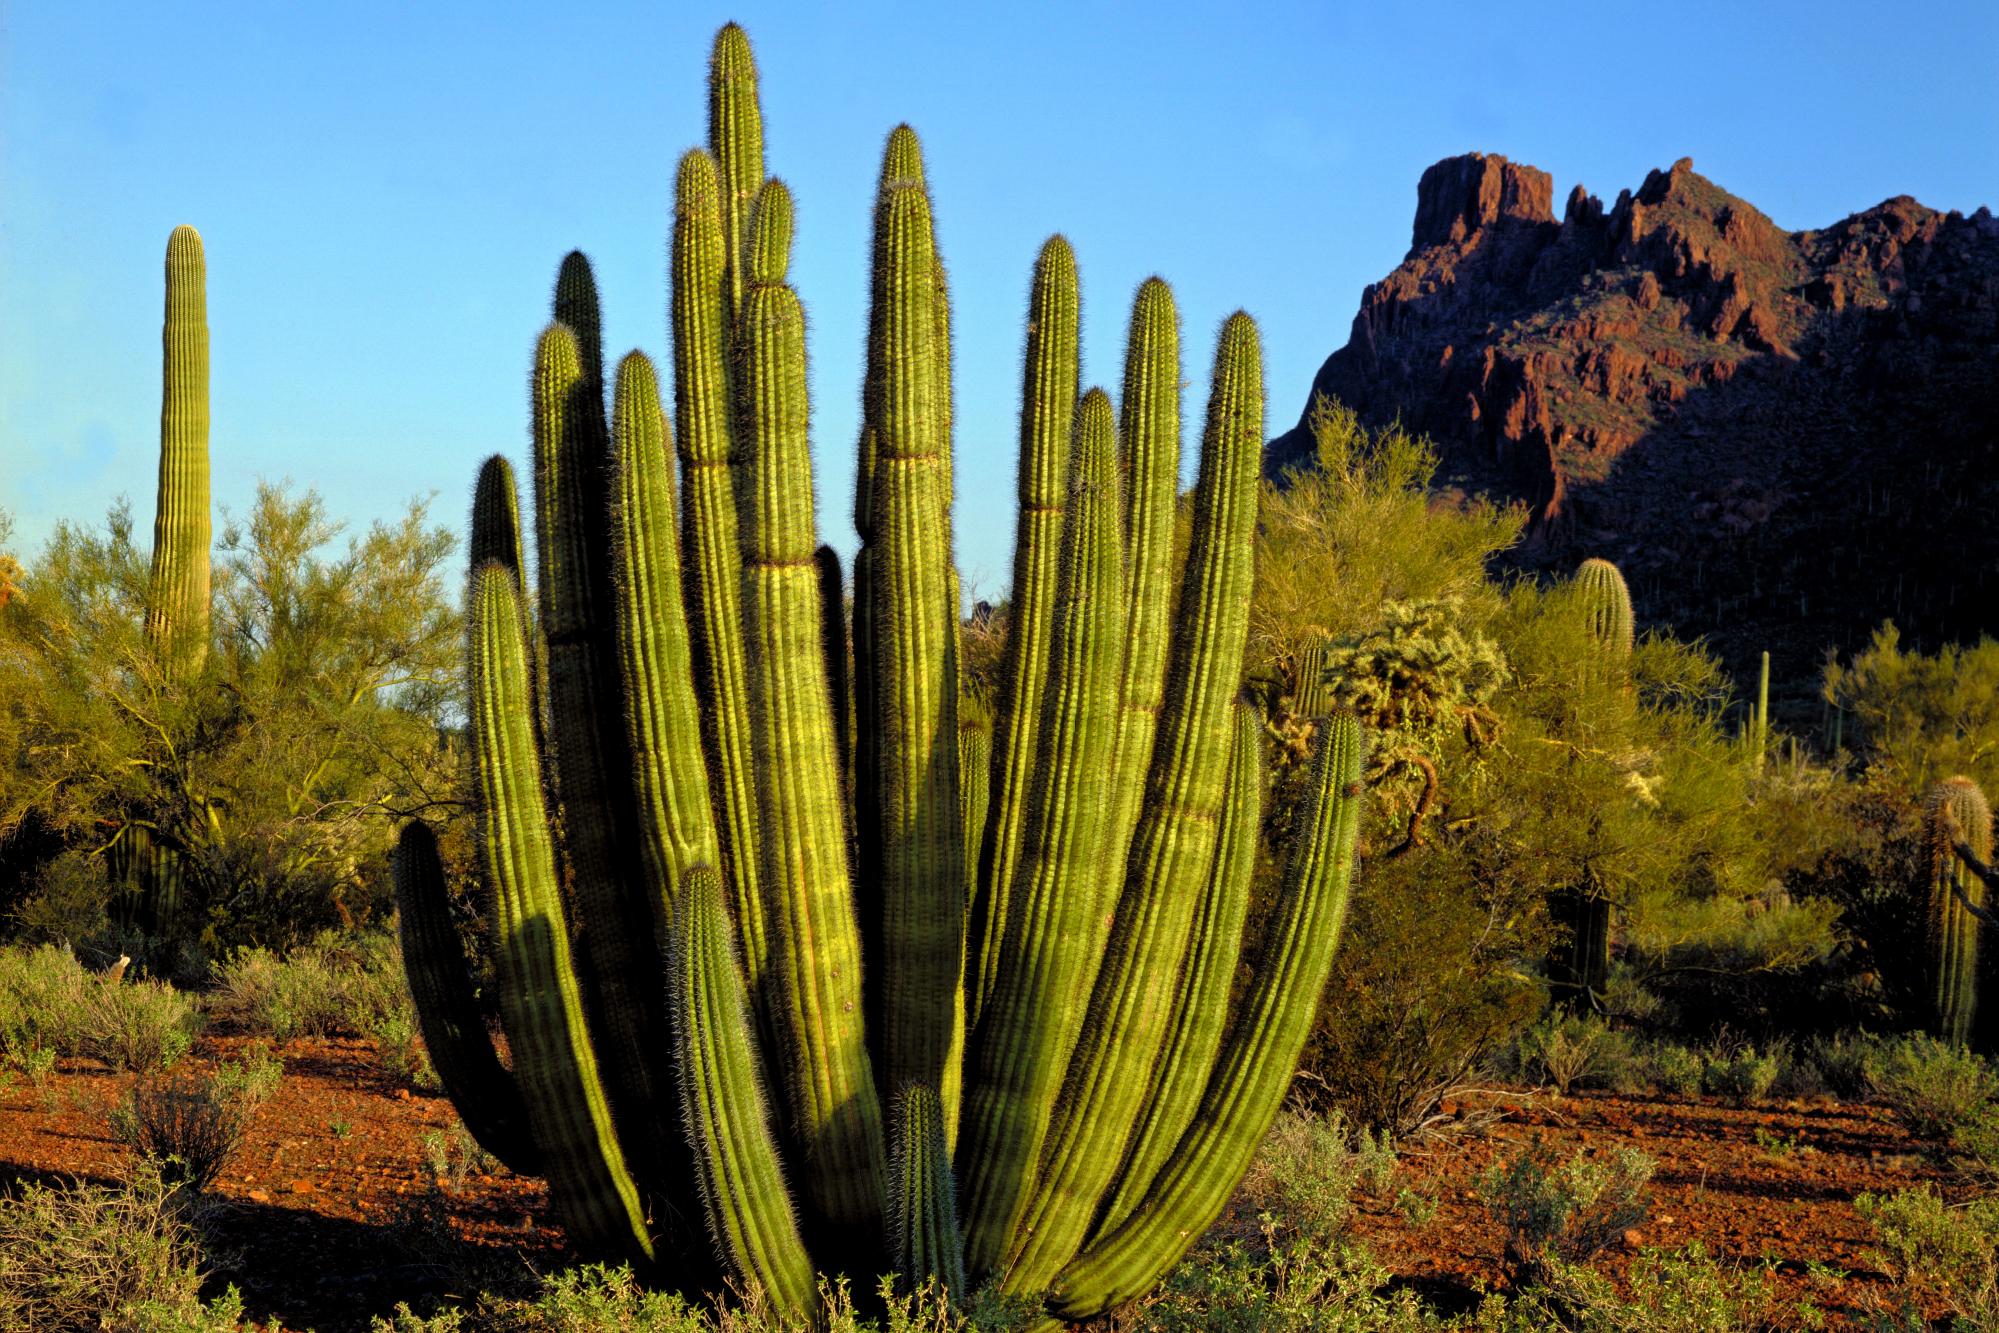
{"points": [[385, 191]]}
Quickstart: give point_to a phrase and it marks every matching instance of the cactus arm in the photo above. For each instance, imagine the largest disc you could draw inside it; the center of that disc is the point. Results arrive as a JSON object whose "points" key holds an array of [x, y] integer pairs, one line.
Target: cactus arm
{"points": [[808, 892], [911, 619], [616, 942], [177, 590], [1048, 404], [923, 1210], [1257, 1060], [736, 139], [711, 558], [723, 1112], [676, 828], [454, 1031], [1200, 1002], [577, 308], [1022, 1041], [1173, 850], [541, 1005]]}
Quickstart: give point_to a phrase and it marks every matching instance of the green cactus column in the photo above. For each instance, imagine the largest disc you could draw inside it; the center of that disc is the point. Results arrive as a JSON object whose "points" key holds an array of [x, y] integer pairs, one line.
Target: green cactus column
{"points": [[1956, 812], [816, 958], [711, 553], [911, 623], [723, 1109], [1032, 1019], [1257, 1061], [1606, 607], [923, 1210], [1048, 407], [1173, 850], [1606, 604], [540, 1003], [454, 1031], [177, 591]]}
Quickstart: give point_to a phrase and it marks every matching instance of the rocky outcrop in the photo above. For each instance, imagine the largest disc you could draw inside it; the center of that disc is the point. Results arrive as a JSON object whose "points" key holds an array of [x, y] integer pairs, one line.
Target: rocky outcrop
{"points": [[1678, 383]]}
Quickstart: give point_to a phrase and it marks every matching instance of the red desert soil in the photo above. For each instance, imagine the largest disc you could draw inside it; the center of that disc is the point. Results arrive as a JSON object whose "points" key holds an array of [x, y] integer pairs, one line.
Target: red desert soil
{"points": [[327, 1214]]}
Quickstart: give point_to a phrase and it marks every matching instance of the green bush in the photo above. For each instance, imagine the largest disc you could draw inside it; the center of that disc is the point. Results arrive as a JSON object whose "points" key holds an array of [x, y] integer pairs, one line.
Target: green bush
{"points": [[1938, 1089], [350, 984], [1742, 1074], [1575, 1051], [144, 1026], [1671, 1291], [44, 1001], [1308, 1169], [1671, 1067], [1939, 1255], [1567, 1212], [119, 1257], [1849, 1063]]}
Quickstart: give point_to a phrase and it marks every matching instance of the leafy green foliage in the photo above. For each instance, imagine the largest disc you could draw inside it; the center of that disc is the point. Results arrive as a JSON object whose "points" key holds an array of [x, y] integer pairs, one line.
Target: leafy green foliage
{"points": [[1920, 717], [1564, 1213], [276, 772]]}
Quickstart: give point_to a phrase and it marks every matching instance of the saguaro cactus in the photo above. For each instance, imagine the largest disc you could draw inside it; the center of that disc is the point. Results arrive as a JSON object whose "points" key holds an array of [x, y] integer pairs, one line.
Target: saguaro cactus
{"points": [[177, 593], [1034, 1085], [1606, 606], [1956, 816]]}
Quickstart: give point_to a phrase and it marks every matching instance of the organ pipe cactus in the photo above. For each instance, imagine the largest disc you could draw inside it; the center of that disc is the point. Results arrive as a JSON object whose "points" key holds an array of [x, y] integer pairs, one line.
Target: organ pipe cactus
{"points": [[952, 1004], [1957, 820]]}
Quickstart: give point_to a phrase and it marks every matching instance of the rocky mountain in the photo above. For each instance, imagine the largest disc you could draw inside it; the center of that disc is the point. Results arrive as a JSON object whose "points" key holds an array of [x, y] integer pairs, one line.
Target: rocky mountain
{"points": [[1783, 437]]}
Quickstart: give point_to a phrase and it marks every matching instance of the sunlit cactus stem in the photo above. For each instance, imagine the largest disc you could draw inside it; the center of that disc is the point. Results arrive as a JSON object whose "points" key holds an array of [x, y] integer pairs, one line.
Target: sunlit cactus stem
{"points": [[1956, 816], [177, 592]]}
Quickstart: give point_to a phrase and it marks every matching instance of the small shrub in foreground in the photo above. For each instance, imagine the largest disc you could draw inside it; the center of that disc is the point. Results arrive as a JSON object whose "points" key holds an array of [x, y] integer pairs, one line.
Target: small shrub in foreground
{"points": [[1671, 1067], [1672, 1291], [1567, 1212], [1939, 1255], [188, 1124], [122, 1258], [1742, 1075]]}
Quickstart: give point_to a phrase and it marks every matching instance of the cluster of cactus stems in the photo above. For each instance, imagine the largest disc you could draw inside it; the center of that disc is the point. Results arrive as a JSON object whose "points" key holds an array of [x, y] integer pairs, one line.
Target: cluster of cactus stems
{"points": [[1606, 609], [825, 966], [177, 591], [1958, 825]]}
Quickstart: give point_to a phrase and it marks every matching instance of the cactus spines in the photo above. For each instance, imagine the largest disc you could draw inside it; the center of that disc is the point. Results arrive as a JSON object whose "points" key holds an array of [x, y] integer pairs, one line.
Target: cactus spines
{"points": [[923, 1209], [1048, 406], [1102, 821], [1606, 604], [177, 591], [723, 1112], [454, 1031], [1257, 1058], [577, 309], [1956, 812], [496, 518]]}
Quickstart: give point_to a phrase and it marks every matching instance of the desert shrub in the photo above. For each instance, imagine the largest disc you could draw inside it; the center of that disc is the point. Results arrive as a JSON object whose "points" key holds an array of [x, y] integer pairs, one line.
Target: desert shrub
{"points": [[1939, 1255], [596, 1298], [453, 1154], [189, 1124], [1309, 1167], [1567, 1212], [1938, 1089], [1738, 1072], [120, 1257], [1574, 1051], [44, 1001], [1671, 1291], [337, 983], [144, 1025], [1848, 1062], [1671, 1067]]}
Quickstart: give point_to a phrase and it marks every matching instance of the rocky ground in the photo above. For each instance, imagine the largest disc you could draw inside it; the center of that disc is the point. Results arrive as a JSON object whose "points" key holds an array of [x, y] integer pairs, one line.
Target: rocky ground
{"points": [[332, 1212]]}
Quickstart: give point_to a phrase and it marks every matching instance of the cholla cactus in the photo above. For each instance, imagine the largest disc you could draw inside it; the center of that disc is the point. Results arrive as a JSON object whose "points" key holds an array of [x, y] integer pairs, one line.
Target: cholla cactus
{"points": [[1023, 968]]}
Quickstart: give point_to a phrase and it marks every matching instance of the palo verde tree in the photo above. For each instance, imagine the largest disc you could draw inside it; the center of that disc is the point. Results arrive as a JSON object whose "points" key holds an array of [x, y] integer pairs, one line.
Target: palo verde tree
{"points": [[903, 1035]]}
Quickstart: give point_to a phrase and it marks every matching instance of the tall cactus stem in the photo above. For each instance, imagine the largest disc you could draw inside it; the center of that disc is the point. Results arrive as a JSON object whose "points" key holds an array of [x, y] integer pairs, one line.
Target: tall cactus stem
{"points": [[1956, 812], [1257, 1059], [177, 590]]}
